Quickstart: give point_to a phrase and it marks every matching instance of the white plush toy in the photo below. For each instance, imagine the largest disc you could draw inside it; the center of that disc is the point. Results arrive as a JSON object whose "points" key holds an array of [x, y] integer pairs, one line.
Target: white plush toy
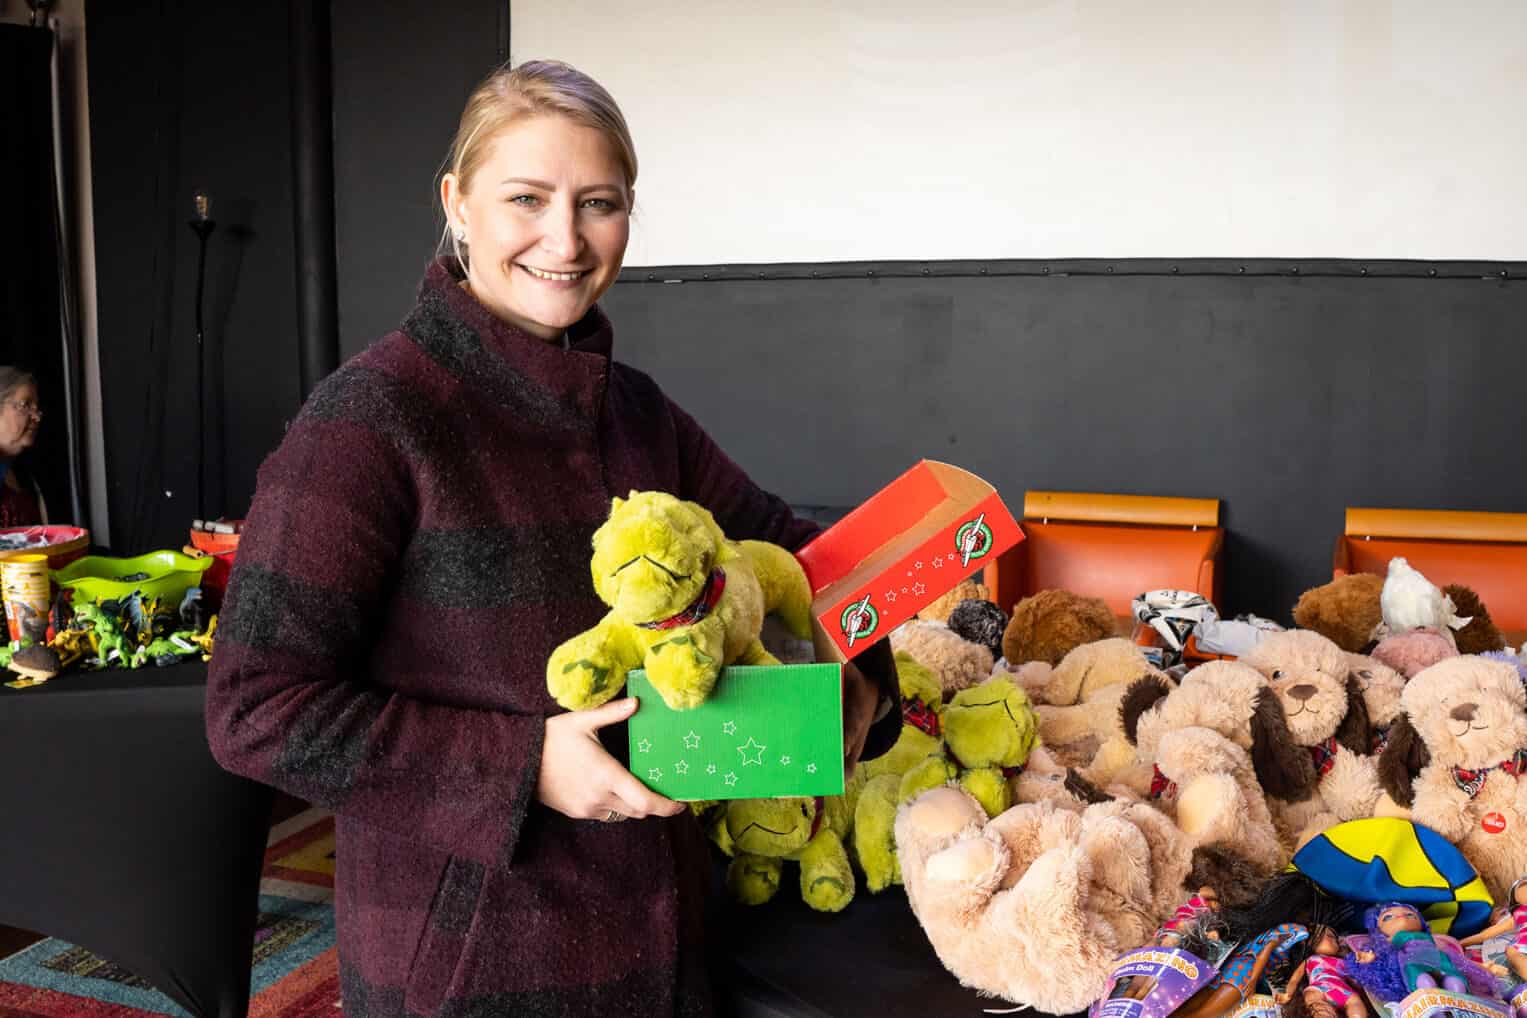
{"points": [[1411, 601]]}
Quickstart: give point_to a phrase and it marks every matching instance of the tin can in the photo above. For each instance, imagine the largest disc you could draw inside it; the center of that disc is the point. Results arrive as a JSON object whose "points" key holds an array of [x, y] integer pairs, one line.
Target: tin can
{"points": [[27, 593]]}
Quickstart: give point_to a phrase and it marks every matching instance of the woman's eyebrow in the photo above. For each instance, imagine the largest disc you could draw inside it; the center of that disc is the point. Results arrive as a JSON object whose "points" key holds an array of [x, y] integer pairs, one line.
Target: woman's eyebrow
{"points": [[543, 185]]}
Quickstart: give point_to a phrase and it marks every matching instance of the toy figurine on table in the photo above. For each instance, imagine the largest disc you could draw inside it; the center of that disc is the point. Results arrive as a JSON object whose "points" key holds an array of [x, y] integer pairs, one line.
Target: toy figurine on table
{"points": [[1328, 990]]}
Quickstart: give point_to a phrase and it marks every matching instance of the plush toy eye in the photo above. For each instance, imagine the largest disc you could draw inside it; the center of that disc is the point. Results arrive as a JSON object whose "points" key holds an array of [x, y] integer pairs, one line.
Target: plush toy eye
{"points": [[1277, 674], [1365, 674]]}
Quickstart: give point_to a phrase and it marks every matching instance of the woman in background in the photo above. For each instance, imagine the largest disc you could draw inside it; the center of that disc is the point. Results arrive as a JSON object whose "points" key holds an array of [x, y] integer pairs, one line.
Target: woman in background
{"points": [[21, 501]]}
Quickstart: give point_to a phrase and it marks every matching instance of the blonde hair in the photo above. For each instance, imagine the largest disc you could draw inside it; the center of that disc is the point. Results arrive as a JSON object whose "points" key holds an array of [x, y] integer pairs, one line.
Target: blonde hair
{"points": [[534, 88]]}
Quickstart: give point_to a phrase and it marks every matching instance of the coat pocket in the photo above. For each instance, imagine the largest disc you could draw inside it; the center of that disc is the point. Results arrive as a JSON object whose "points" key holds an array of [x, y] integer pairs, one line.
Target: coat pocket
{"points": [[433, 968]]}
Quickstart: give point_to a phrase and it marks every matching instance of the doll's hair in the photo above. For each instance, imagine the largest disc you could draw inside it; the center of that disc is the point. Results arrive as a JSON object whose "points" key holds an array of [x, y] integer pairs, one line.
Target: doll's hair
{"points": [[1516, 885], [1289, 898], [1384, 975], [1193, 935]]}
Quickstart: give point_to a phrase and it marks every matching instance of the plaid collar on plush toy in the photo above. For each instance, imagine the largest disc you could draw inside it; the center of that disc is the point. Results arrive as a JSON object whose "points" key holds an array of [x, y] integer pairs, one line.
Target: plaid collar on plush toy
{"points": [[1471, 781], [702, 606], [1162, 787], [920, 716], [1380, 739], [1323, 756]]}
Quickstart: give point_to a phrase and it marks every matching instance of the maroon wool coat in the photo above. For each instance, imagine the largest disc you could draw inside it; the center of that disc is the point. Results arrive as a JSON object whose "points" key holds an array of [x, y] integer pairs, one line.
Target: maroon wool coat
{"points": [[417, 547]]}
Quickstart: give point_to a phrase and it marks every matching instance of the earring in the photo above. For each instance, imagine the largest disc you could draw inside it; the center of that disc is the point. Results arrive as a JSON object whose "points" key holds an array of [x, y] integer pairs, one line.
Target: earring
{"points": [[461, 235]]}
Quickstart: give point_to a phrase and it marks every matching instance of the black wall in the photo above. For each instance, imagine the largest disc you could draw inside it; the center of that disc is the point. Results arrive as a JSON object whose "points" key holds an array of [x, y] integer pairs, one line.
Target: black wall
{"points": [[1289, 396]]}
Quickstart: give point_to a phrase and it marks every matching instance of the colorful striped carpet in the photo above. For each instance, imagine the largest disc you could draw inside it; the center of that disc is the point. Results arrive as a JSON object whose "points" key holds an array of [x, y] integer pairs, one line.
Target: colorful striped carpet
{"points": [[295, 969]]}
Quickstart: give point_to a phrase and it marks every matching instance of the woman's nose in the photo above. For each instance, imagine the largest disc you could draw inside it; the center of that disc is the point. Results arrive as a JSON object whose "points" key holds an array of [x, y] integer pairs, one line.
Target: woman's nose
{"points": [[561, 236]]}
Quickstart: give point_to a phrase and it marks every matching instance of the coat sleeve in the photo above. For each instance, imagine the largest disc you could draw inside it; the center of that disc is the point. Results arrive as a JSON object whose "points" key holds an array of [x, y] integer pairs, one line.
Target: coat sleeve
{"points": [[290, 700], [745, 511]]}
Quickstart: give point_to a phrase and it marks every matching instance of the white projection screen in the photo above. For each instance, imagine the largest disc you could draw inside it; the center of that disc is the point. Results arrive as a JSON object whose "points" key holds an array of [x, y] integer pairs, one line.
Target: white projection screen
{"points": [[888, 130]]}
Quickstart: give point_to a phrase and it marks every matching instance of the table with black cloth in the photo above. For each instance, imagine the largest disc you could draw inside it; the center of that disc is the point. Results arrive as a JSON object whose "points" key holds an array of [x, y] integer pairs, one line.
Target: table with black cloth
{"points": [[122, 835]]}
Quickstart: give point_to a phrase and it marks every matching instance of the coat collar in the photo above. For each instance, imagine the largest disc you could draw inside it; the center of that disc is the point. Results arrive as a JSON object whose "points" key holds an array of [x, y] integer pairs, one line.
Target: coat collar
{"points": [[549, 383]]}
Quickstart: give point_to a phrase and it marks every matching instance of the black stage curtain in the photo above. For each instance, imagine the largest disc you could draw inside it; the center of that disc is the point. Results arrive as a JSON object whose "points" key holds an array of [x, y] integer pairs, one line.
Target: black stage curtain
{"points": [[34, 260]]}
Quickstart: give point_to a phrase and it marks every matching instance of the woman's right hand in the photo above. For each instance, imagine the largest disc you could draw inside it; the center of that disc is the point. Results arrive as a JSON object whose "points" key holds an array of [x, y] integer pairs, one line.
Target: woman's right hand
{"points": [[580, 779]]}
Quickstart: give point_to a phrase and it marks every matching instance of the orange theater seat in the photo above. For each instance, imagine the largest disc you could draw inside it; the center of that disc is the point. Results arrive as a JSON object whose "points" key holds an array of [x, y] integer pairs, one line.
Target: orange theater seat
{"points": [[1111, 546], [1484, 551]]}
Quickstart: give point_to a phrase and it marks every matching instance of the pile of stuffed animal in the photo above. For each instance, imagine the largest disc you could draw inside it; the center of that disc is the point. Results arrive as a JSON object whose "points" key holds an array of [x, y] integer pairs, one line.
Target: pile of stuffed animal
{"points": [[1054, 797], [1396, 699]]}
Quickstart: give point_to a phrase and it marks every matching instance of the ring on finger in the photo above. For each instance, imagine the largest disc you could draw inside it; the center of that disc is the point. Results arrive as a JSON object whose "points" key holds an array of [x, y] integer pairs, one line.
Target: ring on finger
{"points": [[613, 817]]}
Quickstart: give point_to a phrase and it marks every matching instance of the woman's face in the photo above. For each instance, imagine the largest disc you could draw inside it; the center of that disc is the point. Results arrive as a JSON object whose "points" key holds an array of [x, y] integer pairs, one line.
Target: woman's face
{"points": [[546, 216], [19, 417]]}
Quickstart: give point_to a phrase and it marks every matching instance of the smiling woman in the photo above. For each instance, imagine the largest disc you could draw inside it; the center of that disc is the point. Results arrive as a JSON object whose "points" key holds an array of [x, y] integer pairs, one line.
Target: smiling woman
{"points": [[469, 459]]}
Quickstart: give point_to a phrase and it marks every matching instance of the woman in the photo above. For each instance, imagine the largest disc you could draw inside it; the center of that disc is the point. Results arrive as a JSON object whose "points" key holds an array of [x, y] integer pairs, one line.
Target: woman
{"points": [[21, 502], [417, 547]]}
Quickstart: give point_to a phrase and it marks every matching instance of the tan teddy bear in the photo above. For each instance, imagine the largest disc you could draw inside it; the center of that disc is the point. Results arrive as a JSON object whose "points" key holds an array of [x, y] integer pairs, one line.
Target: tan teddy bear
{"points": [[1078, 706], [1327, 716], [1034, 904], [958, 663], [1464, 738]]}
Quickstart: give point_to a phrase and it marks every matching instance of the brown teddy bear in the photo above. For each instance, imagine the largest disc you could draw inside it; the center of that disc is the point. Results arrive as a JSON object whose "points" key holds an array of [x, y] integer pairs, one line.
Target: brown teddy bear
{"points": [[1458, 758], [1345, 611], [1328, 717], [1034, 904], [1048, 625]]}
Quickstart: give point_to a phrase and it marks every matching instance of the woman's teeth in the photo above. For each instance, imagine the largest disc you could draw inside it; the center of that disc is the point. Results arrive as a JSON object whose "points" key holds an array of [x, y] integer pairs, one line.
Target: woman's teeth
{"points": [[559, 276]]}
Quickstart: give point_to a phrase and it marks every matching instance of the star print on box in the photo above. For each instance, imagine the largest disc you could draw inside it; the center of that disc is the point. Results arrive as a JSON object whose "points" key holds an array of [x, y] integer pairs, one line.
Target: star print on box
{"points": [[749, 740]]}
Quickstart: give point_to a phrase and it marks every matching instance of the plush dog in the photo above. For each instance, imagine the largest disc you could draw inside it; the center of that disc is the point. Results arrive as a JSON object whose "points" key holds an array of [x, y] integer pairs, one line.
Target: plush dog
{"points": [[1050, 624], [958, 663], [1345, 611], [1035, 904], [1458, 758], [1218, 746], [684, 603], [1381, 686], [1328, 717]]}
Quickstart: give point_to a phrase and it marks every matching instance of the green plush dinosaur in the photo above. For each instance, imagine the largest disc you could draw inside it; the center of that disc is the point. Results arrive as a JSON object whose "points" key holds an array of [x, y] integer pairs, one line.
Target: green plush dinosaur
{"points": [[684, 603], [762, 834], [989, 731]]}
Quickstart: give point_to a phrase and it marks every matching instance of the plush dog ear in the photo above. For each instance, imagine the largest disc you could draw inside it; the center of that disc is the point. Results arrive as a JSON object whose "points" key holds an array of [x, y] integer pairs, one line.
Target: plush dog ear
{"points": [[1355, 731], [1142, 694], [1403, 757], [1283, 768]]}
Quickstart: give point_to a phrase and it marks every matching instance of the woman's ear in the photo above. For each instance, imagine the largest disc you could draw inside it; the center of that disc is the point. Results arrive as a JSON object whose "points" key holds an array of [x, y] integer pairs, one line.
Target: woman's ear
{"points": [[451, 200], [1403, 757], [1283, 769], [1355, 732]]}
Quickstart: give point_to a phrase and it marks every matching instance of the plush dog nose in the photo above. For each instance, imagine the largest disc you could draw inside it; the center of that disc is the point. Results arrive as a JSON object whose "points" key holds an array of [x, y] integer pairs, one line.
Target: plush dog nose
{"points": [[1463, 712], [1302, 692]]}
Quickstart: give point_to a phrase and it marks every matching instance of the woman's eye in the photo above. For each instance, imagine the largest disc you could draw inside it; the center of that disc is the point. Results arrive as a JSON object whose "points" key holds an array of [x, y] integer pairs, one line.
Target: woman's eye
{"points": [[526, 200], [600, 204]]}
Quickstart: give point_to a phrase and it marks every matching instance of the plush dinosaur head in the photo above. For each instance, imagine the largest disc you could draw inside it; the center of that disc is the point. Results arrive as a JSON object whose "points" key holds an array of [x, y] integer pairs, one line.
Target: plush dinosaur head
{"points": [[654, 554]]}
